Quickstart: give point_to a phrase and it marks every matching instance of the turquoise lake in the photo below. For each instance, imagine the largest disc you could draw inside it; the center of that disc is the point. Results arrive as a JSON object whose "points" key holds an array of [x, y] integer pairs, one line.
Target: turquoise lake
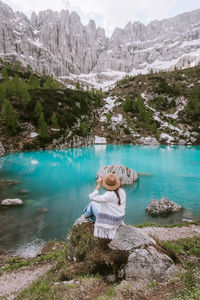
{"points": [[61, 181]]}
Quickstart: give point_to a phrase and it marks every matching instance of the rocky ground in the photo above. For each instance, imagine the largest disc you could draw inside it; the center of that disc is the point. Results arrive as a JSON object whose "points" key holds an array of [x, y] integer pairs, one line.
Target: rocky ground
{"points": [[16, 278]]}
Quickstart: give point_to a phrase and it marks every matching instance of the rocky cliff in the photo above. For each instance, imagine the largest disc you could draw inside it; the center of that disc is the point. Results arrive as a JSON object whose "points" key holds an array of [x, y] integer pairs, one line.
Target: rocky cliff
{"points": [[57, 43], [51, 42]]}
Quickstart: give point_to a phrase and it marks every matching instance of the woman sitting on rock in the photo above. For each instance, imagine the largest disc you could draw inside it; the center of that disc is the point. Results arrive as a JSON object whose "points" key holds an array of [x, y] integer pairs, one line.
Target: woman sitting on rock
{"points": [[107, 210]]}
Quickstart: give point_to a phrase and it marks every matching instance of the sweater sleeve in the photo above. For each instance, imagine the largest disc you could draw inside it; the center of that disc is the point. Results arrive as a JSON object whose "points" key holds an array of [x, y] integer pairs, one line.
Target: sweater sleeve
{"points": [[94, 196]]}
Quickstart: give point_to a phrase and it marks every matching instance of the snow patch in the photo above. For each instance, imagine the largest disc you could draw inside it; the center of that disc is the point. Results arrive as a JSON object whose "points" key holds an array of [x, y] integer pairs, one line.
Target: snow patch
{"points": [[99, 140], [117, 119], [33, 134]]}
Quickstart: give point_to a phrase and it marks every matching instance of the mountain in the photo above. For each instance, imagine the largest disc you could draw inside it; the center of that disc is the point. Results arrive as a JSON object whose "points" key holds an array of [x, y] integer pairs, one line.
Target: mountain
{"points": [[58, 44], [38, 112], [152, 109]]}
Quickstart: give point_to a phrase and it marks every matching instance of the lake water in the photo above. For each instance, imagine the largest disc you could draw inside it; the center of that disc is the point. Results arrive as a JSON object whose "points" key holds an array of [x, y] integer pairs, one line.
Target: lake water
{"points": [[61, 181]]}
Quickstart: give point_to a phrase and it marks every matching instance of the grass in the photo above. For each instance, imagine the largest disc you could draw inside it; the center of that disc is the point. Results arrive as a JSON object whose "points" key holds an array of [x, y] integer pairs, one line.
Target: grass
{"points": [[110, 294], [39, 289], [189, 278], [143, 225], [190, 282], [47, 287], [190, 246]]}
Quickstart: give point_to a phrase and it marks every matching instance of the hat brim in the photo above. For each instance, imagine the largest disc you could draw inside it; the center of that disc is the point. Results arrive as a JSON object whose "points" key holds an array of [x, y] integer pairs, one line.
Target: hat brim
{"points": [[110, 187]]}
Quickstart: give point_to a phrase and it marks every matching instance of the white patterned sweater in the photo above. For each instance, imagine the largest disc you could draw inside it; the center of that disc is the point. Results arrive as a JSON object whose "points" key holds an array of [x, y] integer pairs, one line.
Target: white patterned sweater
{"points": [[110, 213]]}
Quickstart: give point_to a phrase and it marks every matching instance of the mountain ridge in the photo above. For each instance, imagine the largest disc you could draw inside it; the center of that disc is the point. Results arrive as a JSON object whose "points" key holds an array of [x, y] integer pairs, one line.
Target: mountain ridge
{"points": [[58, 44]]}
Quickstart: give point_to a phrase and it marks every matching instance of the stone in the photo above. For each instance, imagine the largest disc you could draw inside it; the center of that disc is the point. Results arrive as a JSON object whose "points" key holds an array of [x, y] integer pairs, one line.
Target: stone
{"points": [[12, 202], [163, 207], [2, 150], [151, 141], [182, 142], [42, 210], [125, 174], [128, 238], [22, 191], [147, 264], [131, 255]]}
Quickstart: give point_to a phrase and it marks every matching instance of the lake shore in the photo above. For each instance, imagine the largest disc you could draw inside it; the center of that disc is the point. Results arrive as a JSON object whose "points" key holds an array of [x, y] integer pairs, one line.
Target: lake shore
{"points": [[14, 270]]}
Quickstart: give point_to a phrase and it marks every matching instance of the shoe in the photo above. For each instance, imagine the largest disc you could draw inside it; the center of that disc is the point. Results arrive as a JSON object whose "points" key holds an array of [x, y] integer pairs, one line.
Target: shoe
{"points": [[81, 220]]}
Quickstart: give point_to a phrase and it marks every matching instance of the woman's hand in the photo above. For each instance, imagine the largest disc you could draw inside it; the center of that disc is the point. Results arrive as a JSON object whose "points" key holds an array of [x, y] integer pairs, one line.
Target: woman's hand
{"points": [[99, 183]]}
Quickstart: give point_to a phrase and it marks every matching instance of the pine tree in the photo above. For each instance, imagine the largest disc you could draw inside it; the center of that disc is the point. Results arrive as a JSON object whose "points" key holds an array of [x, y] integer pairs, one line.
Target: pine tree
{"points": [[154, 127], [38, 109], [54, 121], [25, 95], [9, 116], [78, 86], [50, 84], [127, 107], [5, 73], [43, 130], [34, 82], [2, 93]]}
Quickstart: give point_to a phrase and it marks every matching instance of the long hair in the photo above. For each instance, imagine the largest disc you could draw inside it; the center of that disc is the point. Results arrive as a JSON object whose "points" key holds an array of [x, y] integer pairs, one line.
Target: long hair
{"points": [[117, 194]]}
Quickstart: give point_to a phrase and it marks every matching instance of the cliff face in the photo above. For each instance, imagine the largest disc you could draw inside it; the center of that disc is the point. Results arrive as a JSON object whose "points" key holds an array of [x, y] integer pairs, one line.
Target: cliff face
{"points": [[51, 42], [58, 43], [158, 45]]}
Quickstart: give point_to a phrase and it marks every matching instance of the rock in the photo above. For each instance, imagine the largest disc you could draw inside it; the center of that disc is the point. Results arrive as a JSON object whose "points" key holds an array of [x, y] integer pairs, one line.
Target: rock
{"points": [[132, 254], [51, 42], [42, 211], [69, 282], [125, 174], [22, 191], [147, 264], [163, 207], [151, 141], [193, 139], [12, 182], [12, 202], [182, 142], [2, 150], [128, 238]]}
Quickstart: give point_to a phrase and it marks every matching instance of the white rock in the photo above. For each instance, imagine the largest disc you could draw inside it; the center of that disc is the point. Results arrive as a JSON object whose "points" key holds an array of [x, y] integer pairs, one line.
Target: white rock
{"points": [[2, 150], [163, 207], [148, 141], [10, 202], [125, 174], [182, 142]]}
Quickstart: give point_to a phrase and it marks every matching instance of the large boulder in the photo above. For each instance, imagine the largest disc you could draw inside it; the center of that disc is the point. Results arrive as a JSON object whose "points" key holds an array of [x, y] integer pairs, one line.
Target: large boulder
{"points": [[132, 254], [2, 150], [125, 174], [147, 264], [12, 202], [163, 207]]}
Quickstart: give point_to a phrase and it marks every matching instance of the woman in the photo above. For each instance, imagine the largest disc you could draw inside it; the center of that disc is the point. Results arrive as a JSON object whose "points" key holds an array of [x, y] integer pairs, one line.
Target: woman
{"points": [[107, 210]]}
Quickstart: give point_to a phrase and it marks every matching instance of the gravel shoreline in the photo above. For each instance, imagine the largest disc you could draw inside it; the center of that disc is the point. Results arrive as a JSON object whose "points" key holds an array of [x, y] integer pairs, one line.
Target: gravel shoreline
{"points": [[174, 233]]}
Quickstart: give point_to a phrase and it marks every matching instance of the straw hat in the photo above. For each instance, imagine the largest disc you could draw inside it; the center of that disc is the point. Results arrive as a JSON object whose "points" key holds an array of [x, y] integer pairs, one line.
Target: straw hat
{"points": [[111, 182]]}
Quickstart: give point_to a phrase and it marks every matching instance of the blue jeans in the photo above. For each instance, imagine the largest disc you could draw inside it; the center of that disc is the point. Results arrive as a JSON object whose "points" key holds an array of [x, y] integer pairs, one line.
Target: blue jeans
{"points": [[91, 211]]}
